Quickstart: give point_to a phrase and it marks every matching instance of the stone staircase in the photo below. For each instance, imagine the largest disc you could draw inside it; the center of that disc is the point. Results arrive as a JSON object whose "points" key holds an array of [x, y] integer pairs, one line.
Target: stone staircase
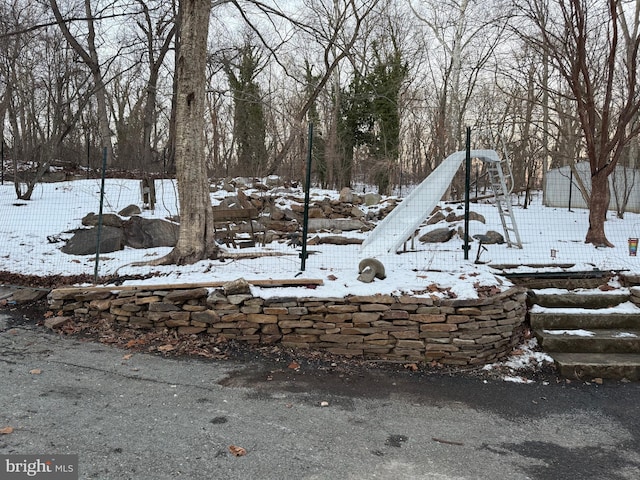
{"points": [[589, 333]]}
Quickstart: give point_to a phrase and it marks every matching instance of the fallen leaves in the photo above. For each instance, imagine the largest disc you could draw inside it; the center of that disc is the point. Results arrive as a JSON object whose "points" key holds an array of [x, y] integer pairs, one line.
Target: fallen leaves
{"points": [[6, 430], [135, 342], [141, 340], [237, 451], [411, 366], [486, 290], [607, 288], [35, 371], [294, 366]]}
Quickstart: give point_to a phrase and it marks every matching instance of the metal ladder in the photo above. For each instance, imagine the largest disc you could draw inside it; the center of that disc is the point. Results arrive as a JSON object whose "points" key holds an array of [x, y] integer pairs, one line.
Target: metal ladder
{"points": [[503, 202]]}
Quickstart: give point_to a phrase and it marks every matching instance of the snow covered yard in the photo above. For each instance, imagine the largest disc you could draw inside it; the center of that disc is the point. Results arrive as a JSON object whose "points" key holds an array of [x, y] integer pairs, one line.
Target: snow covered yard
{"points": [[34, 231]]}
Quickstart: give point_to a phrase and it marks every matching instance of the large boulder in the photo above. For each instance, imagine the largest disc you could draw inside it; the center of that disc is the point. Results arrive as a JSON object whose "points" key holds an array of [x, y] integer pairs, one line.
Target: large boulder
{"points": [[149, 233], [84, 241], [130, 211], [346, 195], [108, 220], [490, 238], [371, 199], [439, 235]]}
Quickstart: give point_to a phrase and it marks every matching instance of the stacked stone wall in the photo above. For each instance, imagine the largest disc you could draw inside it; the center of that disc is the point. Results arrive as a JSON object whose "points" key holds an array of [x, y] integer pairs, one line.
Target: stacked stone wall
{"points": [[405, 328]]}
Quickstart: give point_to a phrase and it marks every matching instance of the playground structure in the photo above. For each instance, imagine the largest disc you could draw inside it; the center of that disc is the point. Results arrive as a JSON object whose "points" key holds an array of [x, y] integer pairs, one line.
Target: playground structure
{"points": [[402, 222]]}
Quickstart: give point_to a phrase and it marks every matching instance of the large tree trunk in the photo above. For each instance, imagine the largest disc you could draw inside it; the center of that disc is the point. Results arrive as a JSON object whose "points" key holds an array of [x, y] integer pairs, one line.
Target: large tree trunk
{"points": [[598, 207], [196, 239]]}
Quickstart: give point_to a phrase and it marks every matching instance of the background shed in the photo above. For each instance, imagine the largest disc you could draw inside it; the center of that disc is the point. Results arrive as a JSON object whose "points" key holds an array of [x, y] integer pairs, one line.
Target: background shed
{"points": [[560, 187]]}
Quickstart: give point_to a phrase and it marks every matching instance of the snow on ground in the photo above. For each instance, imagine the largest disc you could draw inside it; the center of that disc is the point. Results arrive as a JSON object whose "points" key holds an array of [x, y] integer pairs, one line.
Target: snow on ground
{"points": [[525, 358], [32, 233]]}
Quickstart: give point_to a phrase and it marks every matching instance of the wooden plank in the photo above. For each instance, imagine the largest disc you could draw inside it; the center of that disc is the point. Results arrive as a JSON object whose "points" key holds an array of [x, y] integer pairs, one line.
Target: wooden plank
{"points": [[271, 283], [231, 214]]}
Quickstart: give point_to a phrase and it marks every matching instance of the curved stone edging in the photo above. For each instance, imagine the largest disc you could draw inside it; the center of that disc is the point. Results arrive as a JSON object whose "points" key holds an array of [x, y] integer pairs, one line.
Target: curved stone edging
{"points": [[406, 328]]}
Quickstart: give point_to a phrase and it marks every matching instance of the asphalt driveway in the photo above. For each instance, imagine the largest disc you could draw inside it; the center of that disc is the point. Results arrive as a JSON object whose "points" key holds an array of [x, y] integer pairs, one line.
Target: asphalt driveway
{"points": [[143, 416]]}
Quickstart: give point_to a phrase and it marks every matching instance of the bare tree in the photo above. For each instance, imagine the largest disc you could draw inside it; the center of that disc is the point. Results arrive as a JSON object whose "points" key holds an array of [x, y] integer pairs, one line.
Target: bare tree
{"points": [[594, 45], [345, 19], [467, 34], [89, 55], [45, 93], [158, 25]]}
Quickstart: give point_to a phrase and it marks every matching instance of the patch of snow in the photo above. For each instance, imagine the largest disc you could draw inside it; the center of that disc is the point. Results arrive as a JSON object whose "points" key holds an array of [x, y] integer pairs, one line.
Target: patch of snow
{"points": [[512, 379], [625, 307], [626, 335], [525, 358], [576, 333]]}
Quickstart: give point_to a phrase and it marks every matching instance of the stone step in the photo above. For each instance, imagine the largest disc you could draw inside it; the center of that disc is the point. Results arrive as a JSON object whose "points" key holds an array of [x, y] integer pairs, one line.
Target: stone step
{"points": [[585, 366], [587, 299], [564, 319], [595, 341]]}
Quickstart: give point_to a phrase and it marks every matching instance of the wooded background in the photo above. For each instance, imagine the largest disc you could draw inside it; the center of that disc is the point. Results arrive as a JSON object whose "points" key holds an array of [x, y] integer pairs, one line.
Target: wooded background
{"points": [[390, 86]]}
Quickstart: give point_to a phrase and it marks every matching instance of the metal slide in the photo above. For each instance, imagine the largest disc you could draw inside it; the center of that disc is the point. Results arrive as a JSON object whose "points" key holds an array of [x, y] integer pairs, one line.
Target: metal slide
{"points": [[402, 222]]}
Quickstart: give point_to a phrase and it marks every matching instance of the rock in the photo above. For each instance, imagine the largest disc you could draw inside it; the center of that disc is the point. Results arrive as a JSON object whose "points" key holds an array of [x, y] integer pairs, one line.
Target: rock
{"points": [[439, 235], [149, 233], [333, 224], [335, 240], [181, 296], [215, 297], [56, 322], [476, 216], [237, 287], [229, 202], [346, 195], [243, 182], [130, 211], [436, 217], [273, 181], [472, 216], [490, 238], [27, 295], [291, 214], [84, 241], [372, 199], [356, 212], [277, 214], [316, 212], [108, 220]]}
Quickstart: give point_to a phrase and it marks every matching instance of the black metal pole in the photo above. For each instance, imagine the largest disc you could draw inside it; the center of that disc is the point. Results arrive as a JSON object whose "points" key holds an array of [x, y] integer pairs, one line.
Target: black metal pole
{"points": [[88, 154], [467, 181], [104, 168], [2, 159], [570, 186], [307, 188]]}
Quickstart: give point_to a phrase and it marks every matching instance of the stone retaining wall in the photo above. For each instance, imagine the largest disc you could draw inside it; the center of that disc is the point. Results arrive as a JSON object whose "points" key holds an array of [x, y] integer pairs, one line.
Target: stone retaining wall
{"points": [[406, 328]]}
